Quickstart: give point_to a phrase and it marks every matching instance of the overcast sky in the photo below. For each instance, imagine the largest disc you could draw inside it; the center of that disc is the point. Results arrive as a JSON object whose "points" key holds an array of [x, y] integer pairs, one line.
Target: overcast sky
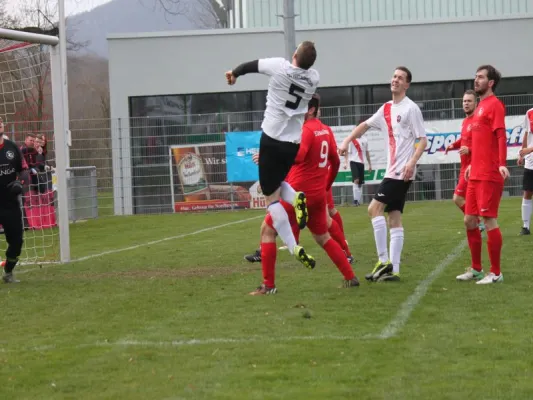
{"points": [[71, 6]]}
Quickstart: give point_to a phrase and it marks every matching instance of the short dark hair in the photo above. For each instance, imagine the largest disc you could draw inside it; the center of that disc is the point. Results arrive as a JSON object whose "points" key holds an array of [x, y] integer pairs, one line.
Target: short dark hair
{"points": [[470, 91], [306, 55], [406, 70], [314, 102], [492, 73]]}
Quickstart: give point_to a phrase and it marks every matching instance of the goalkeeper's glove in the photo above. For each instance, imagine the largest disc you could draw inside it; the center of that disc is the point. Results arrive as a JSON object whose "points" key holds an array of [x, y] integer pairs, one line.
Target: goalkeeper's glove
{"points": [[15, 188]]}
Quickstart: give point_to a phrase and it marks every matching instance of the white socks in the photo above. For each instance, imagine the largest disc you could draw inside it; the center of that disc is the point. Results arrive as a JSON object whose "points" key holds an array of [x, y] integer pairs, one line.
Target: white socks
{"points": [[380, 235], [526, 212], [357, 192], [396, 242], [287, 192], [280, 220], [396, 246]]}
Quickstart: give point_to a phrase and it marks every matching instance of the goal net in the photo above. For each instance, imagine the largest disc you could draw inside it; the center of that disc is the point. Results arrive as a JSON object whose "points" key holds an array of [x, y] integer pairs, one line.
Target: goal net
{"points": [[30, 113]]}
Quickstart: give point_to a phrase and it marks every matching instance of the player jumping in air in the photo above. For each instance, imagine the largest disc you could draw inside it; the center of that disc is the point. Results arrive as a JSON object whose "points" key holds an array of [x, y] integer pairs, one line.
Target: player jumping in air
{"points": [[311, 174], [13, 172], [526, 158], [486, 175], [402, 119], [464, 145], [290, 88]]}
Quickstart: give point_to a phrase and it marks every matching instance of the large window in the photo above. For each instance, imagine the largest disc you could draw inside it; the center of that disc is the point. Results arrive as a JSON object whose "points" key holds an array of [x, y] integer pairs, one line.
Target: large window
{"points": [[358, 101]]}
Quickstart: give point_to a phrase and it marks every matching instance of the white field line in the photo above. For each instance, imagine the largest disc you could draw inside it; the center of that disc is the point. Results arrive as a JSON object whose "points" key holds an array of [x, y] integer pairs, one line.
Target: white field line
{"points": [[412, 301], [186, 342], [151, 243]]}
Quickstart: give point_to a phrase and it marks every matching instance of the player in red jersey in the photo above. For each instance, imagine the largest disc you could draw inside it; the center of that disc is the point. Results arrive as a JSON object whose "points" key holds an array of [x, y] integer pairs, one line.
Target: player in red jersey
{"points": [[464, 145], [486, 175], [318, 150], [336, 230]]}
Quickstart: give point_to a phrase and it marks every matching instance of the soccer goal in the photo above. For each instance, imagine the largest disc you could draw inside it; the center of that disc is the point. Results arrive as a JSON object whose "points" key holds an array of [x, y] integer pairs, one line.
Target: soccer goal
{"points": [[31, 104]]}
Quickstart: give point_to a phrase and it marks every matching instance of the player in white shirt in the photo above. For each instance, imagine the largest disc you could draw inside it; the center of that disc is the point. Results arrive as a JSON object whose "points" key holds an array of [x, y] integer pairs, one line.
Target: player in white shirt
{"points": [[291, 86], [402, 121], [526, 158], [358, 154]]}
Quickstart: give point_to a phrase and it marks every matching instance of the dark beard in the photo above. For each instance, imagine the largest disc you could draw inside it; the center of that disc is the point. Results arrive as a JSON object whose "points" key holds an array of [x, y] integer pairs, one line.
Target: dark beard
{"points": [[481, 92]]}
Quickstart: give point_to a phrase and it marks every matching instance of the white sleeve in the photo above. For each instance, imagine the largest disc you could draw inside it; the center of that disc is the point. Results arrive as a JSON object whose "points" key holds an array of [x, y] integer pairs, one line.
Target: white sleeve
{"points": [[417, 122], [270, 66], [376, 120]]}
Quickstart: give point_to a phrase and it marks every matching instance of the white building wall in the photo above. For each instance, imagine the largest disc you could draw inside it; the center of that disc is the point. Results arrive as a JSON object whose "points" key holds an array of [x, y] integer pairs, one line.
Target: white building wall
{"points": [[195, 62], [265, 13]]}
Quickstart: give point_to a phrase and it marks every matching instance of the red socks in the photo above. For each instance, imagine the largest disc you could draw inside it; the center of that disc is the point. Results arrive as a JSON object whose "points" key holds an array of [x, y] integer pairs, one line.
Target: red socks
{"points": [[495, 242], [338, 235], [268, 263], [474, 242], [337, 218], [338, 257]]}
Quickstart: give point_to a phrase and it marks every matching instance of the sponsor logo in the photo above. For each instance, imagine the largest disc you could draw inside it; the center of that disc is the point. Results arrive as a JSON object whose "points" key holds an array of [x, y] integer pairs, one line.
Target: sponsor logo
{"points": [[214, 161], [190, 169], [439, 141], [257, 200], [241, 151]]}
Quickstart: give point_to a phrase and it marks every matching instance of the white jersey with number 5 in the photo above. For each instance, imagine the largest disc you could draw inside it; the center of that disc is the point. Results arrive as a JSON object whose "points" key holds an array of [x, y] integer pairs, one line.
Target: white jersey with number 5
{"points": [[289, 90], [402, 124]]}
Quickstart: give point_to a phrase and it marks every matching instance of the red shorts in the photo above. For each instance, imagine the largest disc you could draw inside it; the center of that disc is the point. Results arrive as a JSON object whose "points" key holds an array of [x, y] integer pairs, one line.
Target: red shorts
{"points": [[483, 198], [460, 189], [317, 221], [330, 201]]}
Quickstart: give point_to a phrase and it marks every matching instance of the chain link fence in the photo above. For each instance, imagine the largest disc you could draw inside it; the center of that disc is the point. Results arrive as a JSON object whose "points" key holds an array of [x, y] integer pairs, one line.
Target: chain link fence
{"points": [[148, 150]]}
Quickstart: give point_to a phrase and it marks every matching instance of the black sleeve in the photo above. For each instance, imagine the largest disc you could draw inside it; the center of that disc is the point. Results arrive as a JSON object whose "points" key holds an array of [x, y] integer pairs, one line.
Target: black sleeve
{"points": [[21, 161], [246, 68]]}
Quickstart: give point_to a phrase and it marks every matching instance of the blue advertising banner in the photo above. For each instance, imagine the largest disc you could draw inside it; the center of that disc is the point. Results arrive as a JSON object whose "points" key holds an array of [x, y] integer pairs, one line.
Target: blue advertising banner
{"points": [[240, 147]]}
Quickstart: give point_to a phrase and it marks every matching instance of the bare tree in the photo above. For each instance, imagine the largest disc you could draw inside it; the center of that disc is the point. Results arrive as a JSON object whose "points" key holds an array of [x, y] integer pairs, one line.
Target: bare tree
{"points": [[30, 66], [6, 20], [203, 13]]}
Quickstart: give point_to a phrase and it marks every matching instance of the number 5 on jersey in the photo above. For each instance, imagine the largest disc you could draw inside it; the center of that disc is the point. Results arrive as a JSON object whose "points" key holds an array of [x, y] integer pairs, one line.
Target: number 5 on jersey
{"points": [[295, 91]]}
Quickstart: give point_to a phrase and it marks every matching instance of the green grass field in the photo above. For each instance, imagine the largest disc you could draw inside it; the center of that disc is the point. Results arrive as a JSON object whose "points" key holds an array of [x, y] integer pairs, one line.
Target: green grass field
{"points": [[173, 319]]}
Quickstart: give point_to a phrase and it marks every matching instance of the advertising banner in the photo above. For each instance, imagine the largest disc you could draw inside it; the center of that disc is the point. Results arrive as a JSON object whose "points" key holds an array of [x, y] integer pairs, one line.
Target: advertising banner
{"points": [[440, 134], [196, 173], [240, 147]]}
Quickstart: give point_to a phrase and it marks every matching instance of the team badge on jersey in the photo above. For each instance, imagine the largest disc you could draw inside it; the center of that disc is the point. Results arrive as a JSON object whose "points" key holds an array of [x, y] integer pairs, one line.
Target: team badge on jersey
{"points": [[480, 112], [399, 118], [10, 155]]}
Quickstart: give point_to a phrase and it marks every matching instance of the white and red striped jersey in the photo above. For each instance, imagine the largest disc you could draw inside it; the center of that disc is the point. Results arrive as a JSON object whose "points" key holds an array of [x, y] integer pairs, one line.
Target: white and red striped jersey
{"points": [[528, 127], [403, 124], [358, 149]]}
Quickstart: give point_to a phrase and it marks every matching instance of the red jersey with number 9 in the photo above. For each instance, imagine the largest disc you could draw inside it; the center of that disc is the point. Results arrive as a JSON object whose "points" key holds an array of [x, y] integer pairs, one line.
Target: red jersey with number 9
{"points": [[318, 150]]}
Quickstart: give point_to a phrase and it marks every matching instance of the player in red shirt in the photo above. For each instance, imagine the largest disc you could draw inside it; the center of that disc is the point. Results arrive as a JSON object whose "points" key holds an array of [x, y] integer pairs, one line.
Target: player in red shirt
{"points": [[333, 212], [318, 150], [464, 145], [486, 175], [335, 226]]}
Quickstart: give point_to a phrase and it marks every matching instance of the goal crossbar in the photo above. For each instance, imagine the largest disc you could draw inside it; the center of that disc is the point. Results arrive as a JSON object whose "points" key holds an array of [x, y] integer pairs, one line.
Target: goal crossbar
{"points": [[29, 37]]}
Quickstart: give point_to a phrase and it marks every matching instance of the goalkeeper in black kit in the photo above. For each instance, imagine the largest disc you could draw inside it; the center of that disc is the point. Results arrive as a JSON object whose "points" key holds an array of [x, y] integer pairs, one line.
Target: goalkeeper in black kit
{"points": [[13, 173]]}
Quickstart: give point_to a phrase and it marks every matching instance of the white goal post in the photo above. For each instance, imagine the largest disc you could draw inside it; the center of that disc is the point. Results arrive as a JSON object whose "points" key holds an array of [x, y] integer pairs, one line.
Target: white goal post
{"points": [[59, 128]]}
